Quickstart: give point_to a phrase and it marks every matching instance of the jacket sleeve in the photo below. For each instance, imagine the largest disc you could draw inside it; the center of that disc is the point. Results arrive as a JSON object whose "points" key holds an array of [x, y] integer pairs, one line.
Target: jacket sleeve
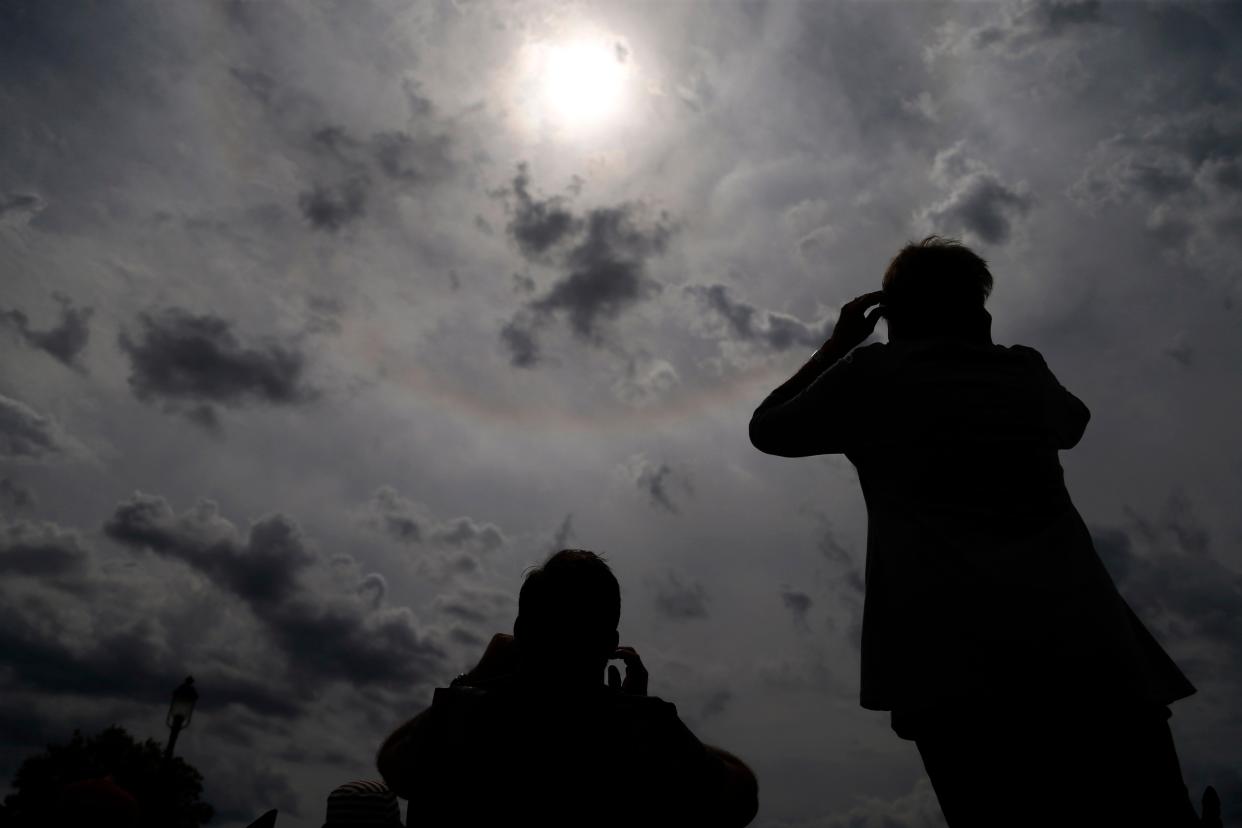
{"points": [[823, 418], [1065, 415]]}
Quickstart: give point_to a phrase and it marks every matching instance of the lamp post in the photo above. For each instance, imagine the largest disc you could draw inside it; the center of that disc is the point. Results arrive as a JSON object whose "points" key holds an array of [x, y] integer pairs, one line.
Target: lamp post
{"points": [[180, 712]]}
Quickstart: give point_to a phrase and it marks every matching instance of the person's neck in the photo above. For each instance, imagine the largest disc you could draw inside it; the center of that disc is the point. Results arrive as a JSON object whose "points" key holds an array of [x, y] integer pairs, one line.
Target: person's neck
{"points": [[975, 328], [561, 681]]}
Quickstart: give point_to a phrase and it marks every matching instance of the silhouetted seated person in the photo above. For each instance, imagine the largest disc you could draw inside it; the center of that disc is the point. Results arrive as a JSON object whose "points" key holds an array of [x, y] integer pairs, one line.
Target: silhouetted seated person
{"points": [[533, 735], [991, 629]]}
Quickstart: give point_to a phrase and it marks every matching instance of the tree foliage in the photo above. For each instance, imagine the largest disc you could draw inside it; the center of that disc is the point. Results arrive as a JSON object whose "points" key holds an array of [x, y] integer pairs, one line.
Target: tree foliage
{"points": [[69, 782]]}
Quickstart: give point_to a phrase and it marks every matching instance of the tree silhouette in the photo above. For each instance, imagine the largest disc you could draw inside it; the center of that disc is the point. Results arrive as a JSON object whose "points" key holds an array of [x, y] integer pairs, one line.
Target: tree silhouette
{"points": [[110, 779]]}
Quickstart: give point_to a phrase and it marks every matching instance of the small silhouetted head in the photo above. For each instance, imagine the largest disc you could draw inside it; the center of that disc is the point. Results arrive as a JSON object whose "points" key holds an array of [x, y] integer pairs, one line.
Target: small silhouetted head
{"points": [[568, 611], [936, 287]]}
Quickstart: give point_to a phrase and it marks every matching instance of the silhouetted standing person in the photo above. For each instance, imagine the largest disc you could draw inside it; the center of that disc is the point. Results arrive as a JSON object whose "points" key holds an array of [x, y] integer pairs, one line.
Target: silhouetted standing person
{"points": [[991, 629], [533, 736]]}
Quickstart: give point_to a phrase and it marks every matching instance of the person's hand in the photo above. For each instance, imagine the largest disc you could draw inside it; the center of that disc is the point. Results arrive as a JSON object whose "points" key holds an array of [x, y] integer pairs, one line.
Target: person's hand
{"points": [[855, 324], [500, 658], [635, 683]]}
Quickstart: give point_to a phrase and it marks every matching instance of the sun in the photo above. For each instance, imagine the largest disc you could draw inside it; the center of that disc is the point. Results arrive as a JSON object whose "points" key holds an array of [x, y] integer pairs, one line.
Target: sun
{"points": [[582, 81], [574, 85]]}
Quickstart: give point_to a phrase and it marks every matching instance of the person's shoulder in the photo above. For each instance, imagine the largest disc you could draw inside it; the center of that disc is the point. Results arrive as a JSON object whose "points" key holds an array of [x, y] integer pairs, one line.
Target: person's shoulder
{"points": [[868, 356], [1024, 354]]}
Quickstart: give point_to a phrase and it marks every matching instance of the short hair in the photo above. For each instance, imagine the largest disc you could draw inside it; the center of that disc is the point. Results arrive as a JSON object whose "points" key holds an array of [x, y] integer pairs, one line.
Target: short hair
{"points": [[570, 601], [938, 275]]}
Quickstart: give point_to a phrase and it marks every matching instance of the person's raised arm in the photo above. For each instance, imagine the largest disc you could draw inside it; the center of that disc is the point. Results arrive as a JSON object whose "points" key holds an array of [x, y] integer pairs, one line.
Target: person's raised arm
{"points": [[411, 752], [790, 424]]}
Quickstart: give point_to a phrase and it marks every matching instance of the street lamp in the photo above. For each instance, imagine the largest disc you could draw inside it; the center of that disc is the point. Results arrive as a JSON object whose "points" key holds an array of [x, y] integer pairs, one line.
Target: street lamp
{"points": [[180, 712]]}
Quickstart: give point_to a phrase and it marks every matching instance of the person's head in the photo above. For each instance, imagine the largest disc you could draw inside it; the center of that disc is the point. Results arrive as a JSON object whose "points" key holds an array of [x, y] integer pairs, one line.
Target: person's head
{"points": [[568, 611], [936, 287]]}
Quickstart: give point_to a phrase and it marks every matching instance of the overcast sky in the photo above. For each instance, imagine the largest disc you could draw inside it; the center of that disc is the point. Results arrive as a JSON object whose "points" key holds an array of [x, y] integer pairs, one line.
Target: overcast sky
{"points": [[321, 322]]}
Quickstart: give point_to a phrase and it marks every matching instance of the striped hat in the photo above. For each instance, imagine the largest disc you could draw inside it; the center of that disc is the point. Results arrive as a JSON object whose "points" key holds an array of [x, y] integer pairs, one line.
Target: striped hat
{"points": [[367, 802]]}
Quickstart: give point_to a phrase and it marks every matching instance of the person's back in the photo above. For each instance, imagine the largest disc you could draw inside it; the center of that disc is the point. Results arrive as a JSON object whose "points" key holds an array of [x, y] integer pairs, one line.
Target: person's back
{"points": [[533, 736], [991, 629], [609, 759], [981, 576]]}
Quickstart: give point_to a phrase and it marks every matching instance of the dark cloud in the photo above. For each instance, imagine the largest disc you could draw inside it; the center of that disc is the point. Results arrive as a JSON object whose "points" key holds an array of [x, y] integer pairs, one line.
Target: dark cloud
{"points": [[42, 550], [413, 159], [717, 702], [1019, 28], [15, 495], [838, 554], [397, 515], [600, 256], [917, 809], [979, 203], [769, 329], [349, 172], [1165, 568], [19, 207], [333, 207], [680, 601], [798, 604], [264, 568], [652, 480], [65, 340], [563, 534], [25, 434], [655, 481], [539, 225], [192, 363], [480, 608], [1180, 350], [518, 336], [408, 521], [605, 270], [125, 663], [324, 636], [121, 654], [465, 531], [1182, 172]]}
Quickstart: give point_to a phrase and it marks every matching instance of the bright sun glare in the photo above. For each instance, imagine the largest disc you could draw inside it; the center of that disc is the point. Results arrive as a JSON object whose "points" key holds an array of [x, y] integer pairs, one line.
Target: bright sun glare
{"points": [[572, 85]]}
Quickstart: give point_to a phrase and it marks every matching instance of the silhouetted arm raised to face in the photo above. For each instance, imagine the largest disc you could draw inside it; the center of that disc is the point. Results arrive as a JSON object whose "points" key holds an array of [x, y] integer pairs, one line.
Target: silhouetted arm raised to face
{"points": [[809, 412]]}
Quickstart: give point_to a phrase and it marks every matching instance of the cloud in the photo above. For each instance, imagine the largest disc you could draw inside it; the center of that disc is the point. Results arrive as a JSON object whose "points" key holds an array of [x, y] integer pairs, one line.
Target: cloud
{"points": [[407, 521], [1182, 172], [600, 257], [193, 363], [42, 550], [539, 225], [483, 610], [324, 635], [798, 604], [64, 341], [18, 208], [348, 171], [655, 480], [563, 534], [917, 809], [769, 329], [680, 601], [25, 434], [333, 207], [1164, 567], [16, 495], [979, 202], [1020, 28]]}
